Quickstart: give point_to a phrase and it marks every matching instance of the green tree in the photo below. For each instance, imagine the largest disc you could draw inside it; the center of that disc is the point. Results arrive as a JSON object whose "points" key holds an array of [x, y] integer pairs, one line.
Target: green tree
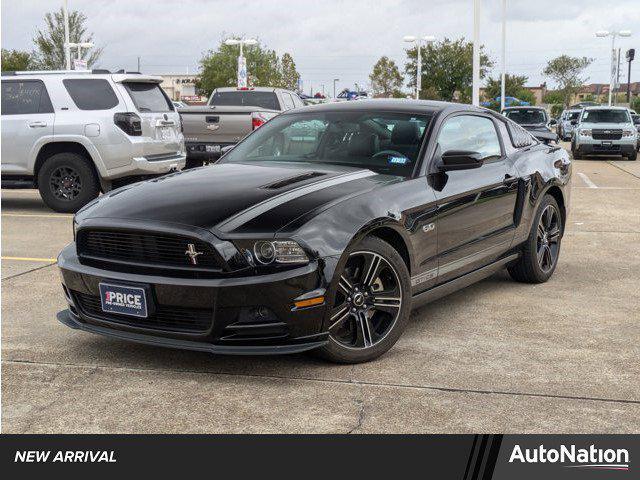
{"points": [[636, 104], [15, 60], [513, 85], [220, 68], [553, 96], [50, 41], [289, 74], [567, 71], [386, 79], [447, 69]]}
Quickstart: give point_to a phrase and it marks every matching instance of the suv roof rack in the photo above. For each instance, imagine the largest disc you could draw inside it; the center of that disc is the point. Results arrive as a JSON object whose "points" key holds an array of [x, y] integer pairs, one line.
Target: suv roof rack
{"points": [[96, 71]]}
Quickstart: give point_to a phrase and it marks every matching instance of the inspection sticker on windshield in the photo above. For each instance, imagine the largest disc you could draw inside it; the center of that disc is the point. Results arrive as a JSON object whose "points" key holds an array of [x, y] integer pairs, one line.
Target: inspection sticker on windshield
{"points": [[398, 160], [123, 300]]}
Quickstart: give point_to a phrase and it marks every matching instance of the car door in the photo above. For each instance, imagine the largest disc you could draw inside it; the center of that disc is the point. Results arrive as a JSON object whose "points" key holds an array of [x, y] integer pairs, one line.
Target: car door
{"points": [[27, 116], [475, 218]]}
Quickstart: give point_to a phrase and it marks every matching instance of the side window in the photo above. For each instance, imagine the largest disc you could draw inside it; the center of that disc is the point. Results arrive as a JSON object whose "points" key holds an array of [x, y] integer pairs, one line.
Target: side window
{"points": [[287, 100], [91, 94], [25, 97], [471, 133], [297, 101]]}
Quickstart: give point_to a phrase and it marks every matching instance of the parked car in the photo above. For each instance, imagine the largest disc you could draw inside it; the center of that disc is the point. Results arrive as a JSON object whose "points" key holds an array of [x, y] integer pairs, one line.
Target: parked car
{"points": [[74, 134], [229, 116], [635, 118], [320, 230], [535, 120], [605, 131], [564, 126]]}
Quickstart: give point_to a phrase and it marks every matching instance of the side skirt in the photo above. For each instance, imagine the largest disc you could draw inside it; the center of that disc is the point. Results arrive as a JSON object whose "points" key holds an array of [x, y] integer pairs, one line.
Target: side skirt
{"points": [[461, 282]]}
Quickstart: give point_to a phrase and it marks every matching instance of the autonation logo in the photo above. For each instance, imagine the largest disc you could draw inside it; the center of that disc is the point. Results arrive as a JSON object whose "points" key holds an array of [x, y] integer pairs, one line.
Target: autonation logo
{"points": [[589, 458]]}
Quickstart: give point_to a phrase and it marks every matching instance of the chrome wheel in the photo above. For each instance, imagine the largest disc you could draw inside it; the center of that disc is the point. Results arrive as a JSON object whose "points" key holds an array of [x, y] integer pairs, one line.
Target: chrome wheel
{"points": [[65, 183], [548, 238], [368, 301]]}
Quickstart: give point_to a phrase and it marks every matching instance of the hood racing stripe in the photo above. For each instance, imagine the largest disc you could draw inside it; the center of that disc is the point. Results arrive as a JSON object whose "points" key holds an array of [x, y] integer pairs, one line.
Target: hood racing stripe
{"points": [[248, 214]]}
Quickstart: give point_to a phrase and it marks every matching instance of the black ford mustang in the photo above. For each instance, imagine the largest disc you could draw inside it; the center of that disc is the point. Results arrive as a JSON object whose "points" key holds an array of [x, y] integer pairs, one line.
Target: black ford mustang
{"points": [[320, 230]]}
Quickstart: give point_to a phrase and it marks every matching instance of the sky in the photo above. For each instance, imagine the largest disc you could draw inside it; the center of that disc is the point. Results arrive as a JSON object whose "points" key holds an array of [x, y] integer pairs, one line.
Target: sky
{"points": [[338, 39]]}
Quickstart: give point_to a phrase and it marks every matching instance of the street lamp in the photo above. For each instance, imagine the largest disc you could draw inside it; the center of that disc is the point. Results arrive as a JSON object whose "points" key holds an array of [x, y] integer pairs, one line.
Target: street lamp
{"points": [[334, 86], [614, 66], [79, 47], [427, 39], [242, 63]]}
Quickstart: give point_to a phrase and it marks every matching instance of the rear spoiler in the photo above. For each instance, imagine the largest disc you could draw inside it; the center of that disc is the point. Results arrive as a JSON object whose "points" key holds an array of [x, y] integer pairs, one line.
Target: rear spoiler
{"points": [[135, 77]]}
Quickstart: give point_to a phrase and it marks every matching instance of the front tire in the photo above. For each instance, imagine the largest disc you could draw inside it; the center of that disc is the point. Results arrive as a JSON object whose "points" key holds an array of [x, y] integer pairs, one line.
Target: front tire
{"points": [[67, 182], [371, 303], [633, 156], [541, 250]]}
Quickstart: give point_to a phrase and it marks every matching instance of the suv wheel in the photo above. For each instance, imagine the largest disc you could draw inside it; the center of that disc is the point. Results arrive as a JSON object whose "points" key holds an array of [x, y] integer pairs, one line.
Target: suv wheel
{"points": [[67, 182], [371, 305], [633, 155], [542, 248]]}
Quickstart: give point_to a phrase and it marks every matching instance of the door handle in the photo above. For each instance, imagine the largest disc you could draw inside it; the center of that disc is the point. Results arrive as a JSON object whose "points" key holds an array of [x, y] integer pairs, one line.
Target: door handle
{"points": [[37, 124]]}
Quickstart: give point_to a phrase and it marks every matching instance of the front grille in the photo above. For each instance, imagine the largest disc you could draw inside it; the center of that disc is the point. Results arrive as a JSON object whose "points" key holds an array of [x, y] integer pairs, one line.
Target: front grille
{"points": [[604, 134], [145, 248], [166, 317]]}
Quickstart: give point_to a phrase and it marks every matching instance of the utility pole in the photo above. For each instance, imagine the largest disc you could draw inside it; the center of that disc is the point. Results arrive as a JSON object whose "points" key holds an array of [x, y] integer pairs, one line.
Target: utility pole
{"points": [[504, 54], [615, 98], [67, 47], [334, 86], [475, 89], [631, 53], [138, 64]]}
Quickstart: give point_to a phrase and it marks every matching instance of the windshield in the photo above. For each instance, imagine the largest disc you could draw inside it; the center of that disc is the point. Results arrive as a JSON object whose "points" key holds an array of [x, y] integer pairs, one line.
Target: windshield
{"points": [[247, 98], [148, 97], [381, 141], [527, 117], [606, 116]]}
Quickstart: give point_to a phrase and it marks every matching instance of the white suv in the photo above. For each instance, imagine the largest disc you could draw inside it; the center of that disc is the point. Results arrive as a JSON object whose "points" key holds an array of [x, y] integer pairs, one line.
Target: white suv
{"points": [[74, 134]]}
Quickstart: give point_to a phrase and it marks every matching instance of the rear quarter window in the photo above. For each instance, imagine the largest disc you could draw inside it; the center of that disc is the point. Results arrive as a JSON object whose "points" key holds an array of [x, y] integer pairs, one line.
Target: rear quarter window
{"points": [[148, 97], [91, 94]]}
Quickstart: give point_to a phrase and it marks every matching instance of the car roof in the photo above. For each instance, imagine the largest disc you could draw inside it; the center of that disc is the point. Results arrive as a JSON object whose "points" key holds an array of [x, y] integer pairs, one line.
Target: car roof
{"points": [[393, 105], [121, 76], [251, 89]]}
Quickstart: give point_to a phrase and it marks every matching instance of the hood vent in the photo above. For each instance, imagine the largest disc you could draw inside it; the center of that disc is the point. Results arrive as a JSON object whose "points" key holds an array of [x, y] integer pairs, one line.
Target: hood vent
{"points": [[292, 180]]}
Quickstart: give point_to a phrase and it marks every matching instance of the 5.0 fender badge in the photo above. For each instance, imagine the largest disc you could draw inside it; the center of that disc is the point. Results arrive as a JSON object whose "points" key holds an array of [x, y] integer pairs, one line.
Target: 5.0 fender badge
{"points": [[429, 227]]}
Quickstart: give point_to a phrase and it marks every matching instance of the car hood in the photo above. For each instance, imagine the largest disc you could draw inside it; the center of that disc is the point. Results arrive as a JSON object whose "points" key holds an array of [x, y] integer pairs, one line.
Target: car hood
{"points": [[235, 198]]}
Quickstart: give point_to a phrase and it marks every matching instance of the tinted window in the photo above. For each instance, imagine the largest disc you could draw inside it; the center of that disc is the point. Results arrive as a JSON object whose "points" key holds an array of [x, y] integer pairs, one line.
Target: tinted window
{"points": [[91, 94], [381, 141], [148, 97], [470, 133], [606, 116], [246, 98], [527, 117], [25, 97], [288, 101]]}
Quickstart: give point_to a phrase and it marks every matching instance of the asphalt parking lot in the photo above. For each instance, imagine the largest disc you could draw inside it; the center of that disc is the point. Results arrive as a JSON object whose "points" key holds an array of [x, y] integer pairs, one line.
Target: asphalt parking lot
{"points": [[496, 357]]}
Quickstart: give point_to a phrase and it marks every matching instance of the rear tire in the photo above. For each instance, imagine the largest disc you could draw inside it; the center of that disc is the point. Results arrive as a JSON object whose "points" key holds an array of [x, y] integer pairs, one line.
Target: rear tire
{"points": [[67, 182], [370, 307], [541, 250]]}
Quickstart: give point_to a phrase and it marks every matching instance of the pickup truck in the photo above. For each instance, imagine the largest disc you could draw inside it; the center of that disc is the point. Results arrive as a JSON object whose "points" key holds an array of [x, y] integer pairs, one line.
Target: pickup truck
{"points": [[229, 116]]}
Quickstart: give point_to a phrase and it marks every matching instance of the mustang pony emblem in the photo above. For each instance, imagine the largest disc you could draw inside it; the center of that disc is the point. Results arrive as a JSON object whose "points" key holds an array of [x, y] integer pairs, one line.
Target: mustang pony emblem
{"points": [[192, 254]]}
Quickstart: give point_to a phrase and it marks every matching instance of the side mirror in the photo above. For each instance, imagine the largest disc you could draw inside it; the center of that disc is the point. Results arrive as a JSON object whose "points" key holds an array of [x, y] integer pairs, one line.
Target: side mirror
{"points": [[574, 122], [636, 121], [460, 160], [553, 121]]}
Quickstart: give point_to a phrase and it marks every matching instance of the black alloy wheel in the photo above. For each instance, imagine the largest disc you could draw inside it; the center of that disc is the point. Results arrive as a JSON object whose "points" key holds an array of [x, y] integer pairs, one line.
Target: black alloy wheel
{"points": [[548, 238], [65, 183], [371, 304]]}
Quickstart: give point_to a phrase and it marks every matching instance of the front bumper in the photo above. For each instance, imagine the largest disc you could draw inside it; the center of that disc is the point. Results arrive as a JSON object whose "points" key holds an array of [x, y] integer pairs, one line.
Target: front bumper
{"points": [[248, 316], [599, 148]]}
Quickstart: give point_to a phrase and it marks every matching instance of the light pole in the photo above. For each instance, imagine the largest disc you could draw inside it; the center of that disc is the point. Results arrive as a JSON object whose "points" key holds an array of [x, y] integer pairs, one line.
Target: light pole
{"points": [[427, 39], [67, 48], [614, 63], [334, 86], [79, 47], [475, 87], [242, 63], [504, 55]]}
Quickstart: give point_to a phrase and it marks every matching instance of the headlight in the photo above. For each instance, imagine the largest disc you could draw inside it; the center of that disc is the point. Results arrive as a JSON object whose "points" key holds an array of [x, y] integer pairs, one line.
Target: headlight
{"points": [[628, 133], [279, 251], [585, 132]]}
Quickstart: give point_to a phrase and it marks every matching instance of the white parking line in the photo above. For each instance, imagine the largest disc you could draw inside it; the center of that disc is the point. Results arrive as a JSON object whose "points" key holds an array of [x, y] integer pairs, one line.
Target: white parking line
{"points": [[43, 215], [587, 180]]}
